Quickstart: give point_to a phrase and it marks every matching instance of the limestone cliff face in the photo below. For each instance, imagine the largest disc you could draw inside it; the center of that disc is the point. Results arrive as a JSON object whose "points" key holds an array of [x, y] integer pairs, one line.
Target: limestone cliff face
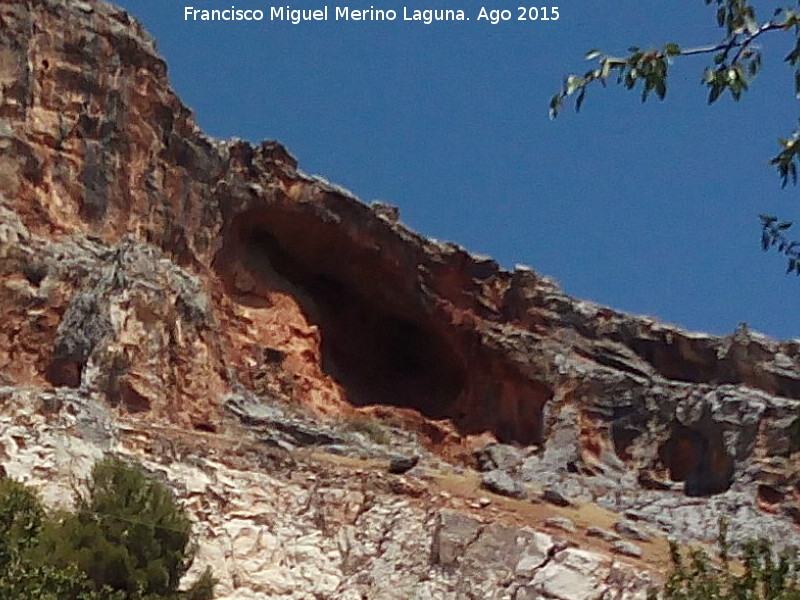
{"points": [[177, 279], [278, 525]]}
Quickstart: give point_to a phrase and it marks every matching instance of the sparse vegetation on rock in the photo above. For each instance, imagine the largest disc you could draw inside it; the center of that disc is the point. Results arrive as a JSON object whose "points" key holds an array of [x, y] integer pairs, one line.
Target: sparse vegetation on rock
{"points": [[764, 575], [372, 430]]}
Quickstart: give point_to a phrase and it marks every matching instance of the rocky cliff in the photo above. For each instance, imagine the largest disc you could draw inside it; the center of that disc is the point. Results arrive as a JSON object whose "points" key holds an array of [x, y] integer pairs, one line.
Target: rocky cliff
{"points": [[266, 342]]}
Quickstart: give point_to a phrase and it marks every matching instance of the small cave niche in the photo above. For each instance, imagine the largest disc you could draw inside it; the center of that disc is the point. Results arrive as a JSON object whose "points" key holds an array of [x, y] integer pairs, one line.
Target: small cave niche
{"points": [[769, 494], [794, 436], [63, 372], [681, 361], [380, 349], [697, 460], [204, 427], [387, 359], [623, 437], [132, 400], [505, 402], [697, 361], [35, 273]]}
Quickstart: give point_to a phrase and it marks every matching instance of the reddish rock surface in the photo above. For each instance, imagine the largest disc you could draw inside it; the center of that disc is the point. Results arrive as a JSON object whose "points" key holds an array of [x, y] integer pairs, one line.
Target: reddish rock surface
{"points": [[162, 271]]}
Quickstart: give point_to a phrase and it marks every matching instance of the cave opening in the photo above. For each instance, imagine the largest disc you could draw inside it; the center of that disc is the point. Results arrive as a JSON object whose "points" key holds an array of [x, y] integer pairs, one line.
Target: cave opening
{"points": [[381, 350], [701, 462], [623, 436]]}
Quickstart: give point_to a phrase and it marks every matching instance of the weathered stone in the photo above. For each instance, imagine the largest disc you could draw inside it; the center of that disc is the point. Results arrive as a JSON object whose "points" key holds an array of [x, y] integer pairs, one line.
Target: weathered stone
{"points": [[211, 310], [649, 482], [502, 483], [454, 531], [386, 211], [791, 510], [626, 548], [573, 575], [562, 523], [402, 464], [534, 554], [407, 487], [603, 534], [554, 496], [630, 530], [497, 456]]}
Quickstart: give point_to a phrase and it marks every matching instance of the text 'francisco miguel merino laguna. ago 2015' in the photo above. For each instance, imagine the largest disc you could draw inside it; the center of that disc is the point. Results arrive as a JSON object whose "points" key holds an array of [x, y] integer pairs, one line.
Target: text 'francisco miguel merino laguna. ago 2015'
{"points": [[345, 13]]}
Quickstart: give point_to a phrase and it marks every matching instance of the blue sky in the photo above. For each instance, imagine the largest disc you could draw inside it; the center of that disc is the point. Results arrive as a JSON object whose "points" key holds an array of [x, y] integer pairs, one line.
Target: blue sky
{"points": [[648, 208]]}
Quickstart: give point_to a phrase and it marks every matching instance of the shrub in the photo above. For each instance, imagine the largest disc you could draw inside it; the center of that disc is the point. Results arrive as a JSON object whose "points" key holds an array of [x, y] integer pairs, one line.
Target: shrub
{"points": [[128, 534], [765, 575], [128, 540], [22, 518], [372, 430]]}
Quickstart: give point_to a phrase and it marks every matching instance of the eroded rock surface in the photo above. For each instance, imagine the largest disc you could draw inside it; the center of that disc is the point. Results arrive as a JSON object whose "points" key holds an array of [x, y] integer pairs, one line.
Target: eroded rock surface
{"points": [[276, 525], [162, 277]]}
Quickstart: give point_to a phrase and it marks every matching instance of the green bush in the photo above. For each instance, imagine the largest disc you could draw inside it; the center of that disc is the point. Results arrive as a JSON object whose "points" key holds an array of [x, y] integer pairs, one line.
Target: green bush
{"points": [[372, 430], [21, 521], [21, 516], [128, 540], [764, 575]]}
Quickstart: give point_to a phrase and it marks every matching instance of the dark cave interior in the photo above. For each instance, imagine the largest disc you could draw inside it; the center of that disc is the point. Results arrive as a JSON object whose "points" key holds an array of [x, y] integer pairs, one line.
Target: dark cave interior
{"points": [[380, 351], [699, 461], [381, 337]]}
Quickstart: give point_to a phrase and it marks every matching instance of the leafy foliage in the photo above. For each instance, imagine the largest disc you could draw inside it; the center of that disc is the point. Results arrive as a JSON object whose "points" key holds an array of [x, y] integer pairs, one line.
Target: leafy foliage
{"points": [[41, 582], [765, 576], [772, 236], [128, 534], [21, 521], [735, 61], [21, 516], [128, 540]]}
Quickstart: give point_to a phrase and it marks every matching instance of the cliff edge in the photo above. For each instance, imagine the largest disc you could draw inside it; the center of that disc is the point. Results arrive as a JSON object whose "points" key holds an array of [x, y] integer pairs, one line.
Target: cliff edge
{"points": [[210, 298]]}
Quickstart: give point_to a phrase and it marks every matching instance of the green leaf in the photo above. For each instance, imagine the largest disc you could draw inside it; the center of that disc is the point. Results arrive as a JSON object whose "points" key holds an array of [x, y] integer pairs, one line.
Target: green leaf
{"points": [[767, 219], [605, 71], [714, 94], [555, 105], [579, 100], [750, 23], [661, 89], [572, 84]]}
